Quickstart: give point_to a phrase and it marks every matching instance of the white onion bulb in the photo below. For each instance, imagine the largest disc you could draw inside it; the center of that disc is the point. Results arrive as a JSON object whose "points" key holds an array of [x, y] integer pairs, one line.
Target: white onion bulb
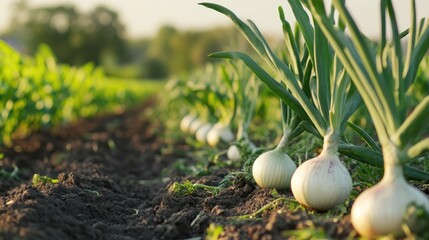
{"points": [[202, 132], [321, 183], [195, 125], [273, 169], [233, 153], [380, 209], [219, 132], [186, 122]]}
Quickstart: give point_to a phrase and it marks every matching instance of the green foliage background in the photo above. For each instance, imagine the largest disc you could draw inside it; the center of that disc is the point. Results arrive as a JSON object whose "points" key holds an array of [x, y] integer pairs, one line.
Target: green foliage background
{"points": [[39, 92], [99, 36]]}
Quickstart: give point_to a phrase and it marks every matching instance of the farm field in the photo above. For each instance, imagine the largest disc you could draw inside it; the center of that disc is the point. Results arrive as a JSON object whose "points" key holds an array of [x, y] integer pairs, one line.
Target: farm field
{"points": [[115, 174], [325, 137]]}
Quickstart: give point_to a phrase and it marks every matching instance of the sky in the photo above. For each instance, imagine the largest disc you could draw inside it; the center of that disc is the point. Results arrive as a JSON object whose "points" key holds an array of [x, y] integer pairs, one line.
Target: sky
{"points": [[144, 17]]}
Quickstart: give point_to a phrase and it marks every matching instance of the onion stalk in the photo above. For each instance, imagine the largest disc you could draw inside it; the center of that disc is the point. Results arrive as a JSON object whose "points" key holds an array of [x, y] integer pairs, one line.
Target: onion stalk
{"points": [[246, 91], [226, 109], [382, 76]]}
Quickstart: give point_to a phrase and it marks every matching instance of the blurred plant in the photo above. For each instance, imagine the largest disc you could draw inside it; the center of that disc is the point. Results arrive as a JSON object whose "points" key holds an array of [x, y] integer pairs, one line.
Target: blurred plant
{"points": [[39, 92], [75, 37]]}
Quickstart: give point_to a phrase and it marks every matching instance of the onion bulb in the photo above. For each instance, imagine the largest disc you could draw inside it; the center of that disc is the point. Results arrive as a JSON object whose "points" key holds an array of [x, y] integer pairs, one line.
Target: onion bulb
{"points": [[273, 169], [202, 132], [186, 122], [233, 153], [321, 183], [380, 209], [219, 132], [195, 125]]}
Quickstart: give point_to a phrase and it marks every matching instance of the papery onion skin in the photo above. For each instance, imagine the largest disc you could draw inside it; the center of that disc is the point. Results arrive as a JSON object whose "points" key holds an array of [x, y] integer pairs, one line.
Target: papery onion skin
{"points": [[321, 183], [273, 169]]}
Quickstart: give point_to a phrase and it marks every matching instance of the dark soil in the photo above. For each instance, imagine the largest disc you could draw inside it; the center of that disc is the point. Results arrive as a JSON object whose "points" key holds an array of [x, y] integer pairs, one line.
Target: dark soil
{"points": [[114, 175]]}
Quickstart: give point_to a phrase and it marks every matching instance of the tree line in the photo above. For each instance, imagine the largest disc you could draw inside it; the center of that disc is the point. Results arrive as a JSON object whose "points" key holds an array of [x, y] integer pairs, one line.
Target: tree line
{"points": [[98, 36]]}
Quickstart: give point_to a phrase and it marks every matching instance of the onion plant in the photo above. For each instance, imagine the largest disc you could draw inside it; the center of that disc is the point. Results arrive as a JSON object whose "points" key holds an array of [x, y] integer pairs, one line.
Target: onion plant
{"points": [[209, 105], [274, 168], [225, 103], [245, 89], [383, 76], [315, 85]]}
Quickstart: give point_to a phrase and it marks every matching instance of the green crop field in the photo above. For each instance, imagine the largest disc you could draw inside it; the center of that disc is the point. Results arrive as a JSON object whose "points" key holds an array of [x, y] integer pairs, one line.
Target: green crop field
{"points": [[37, 91], [138, 88]]}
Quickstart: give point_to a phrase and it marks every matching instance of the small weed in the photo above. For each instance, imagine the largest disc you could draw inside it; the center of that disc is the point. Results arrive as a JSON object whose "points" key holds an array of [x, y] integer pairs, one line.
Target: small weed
{"points": [[214, 190], [274, 193], [185, 188], [188, 188], [40, 179], [214, 231]]}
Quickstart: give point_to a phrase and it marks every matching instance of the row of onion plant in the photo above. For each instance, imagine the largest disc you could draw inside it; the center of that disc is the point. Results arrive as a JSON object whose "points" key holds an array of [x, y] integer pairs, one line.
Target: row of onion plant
{"points": [[321, 82], [383, 74], [220, 103], [314, 83]]}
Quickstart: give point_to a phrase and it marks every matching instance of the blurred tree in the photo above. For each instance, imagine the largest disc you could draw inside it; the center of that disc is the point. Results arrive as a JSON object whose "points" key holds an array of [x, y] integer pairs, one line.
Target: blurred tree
{"points": [[98, 36], [75, 37], [105, 34], [154, 68], [176, 51]]}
